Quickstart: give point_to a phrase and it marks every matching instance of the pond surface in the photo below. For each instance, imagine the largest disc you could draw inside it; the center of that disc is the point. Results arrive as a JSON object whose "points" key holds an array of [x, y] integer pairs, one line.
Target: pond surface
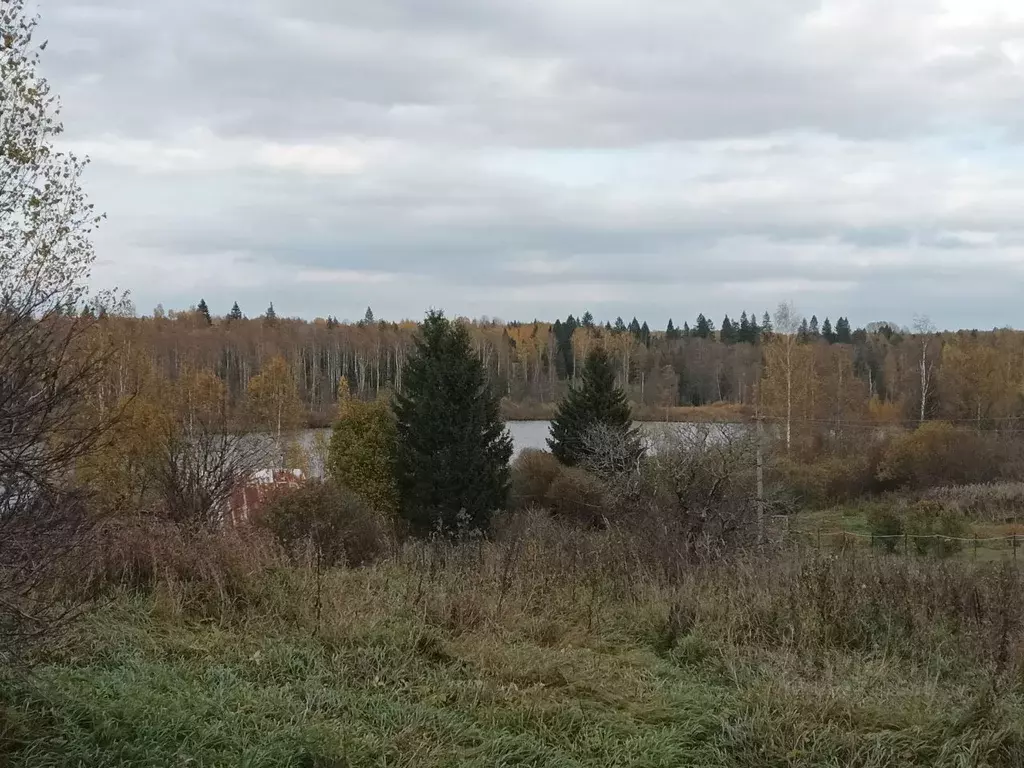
{"points": [[525, 434]]}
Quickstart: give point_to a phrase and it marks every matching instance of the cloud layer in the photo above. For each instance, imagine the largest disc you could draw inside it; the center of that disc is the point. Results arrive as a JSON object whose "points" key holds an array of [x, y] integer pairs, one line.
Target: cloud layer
{"points": [[532, 158]]}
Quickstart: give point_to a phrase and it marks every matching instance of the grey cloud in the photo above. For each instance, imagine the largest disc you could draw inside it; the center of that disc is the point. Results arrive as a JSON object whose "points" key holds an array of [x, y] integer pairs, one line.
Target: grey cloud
{"points": [[648, 154]]}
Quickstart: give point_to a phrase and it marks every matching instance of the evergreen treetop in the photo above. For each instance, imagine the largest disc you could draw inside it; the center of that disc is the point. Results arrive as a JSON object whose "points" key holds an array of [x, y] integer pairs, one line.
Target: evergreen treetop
{"points": [[596, 402], [843, 334], [236, 312], [826, 331], [204, 311]]}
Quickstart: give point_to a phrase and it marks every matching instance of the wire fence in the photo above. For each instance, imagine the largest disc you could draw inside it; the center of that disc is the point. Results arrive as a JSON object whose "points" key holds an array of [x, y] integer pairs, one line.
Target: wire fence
{"points": [[842, 541]]}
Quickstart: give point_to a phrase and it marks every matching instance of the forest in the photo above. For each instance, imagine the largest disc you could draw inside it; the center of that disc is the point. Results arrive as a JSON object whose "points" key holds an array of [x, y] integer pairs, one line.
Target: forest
{"points": [[878, 374]]}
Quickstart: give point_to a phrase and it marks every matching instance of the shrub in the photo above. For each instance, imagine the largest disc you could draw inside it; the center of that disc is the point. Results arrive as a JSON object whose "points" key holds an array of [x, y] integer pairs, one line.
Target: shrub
{"points": [[937, 453], [932, 523], [206, 572], [886, 524], [832, 480], [533, 471], [362, 452], [341, 527], [577, 495], [985, 501]]}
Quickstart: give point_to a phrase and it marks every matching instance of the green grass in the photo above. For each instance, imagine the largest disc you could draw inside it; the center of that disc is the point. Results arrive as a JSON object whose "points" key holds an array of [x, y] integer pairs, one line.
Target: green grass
{"points": [[409, 666], [847, 525]]}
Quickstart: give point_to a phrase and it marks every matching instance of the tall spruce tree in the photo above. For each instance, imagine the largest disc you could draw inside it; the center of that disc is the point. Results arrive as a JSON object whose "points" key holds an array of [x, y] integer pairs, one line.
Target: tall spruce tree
{"points": [[728, 333], [826, 331], [670, 331], [236, 312], [843, 335], [204, 312], [743, 336], [755, 330], [453, 450], [597, 401], [704, 327]]}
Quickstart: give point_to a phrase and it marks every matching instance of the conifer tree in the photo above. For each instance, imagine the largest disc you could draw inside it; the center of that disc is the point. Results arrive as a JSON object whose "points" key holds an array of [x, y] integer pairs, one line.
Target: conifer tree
{"points": [[826, 331], [634, 328], [743, 336], [766, 323], [704, 328], [728, 334], [843, 335], [645, 334], [620, 325], [804, 334], [270, 318], [670, 331], [236, 312], [813, 331], [453, 451], [687, 333], [588, 320], [755, 330], [597, 401], [204, 312]]}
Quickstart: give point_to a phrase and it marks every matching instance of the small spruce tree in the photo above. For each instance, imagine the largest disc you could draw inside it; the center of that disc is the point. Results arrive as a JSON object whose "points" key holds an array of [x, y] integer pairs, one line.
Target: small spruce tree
{"points": [[453, 451], [236, 312], [204, 312], [597, 401]]}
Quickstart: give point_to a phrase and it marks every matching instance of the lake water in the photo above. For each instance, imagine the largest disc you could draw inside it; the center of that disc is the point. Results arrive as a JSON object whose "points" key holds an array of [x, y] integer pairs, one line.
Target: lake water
{"points": [[525, 434]]}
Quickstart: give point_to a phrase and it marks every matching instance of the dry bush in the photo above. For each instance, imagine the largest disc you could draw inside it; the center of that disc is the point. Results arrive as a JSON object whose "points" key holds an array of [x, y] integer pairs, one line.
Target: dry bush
{"points": [[340, 526], [696, 487], [209, 572], [830, 480], [1000, 501], [941, 613], [533, 471], [937, 453], [935, 530], [577, 495]]}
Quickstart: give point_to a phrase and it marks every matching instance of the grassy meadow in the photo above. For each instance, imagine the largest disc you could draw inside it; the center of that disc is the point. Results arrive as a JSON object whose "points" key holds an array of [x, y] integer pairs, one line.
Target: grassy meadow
{"points": [[546, 646]]}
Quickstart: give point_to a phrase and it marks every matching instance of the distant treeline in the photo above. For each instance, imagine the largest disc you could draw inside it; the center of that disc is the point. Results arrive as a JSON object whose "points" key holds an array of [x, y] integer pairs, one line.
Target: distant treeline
{"points": [[835, 373]]}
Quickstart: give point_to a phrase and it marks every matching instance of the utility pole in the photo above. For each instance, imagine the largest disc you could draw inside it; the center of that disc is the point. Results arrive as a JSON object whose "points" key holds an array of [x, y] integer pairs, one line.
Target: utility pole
{"points": [[760, 465]]}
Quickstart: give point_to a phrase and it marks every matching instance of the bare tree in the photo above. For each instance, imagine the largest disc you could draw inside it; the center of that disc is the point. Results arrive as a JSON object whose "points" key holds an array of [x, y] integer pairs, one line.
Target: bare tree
{"points": [[924, 329], [196, 470], [696, 485], [787, 323], [47, 367]]}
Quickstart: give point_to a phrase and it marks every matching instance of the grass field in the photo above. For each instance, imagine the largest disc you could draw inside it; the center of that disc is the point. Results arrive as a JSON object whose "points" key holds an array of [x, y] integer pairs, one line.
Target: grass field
{"points": [[839, 528], [520, 654]]}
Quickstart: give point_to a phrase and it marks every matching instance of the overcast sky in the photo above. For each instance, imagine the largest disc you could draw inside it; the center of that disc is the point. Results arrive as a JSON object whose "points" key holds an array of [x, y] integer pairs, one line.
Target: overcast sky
{"points": [[531, 158]]}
